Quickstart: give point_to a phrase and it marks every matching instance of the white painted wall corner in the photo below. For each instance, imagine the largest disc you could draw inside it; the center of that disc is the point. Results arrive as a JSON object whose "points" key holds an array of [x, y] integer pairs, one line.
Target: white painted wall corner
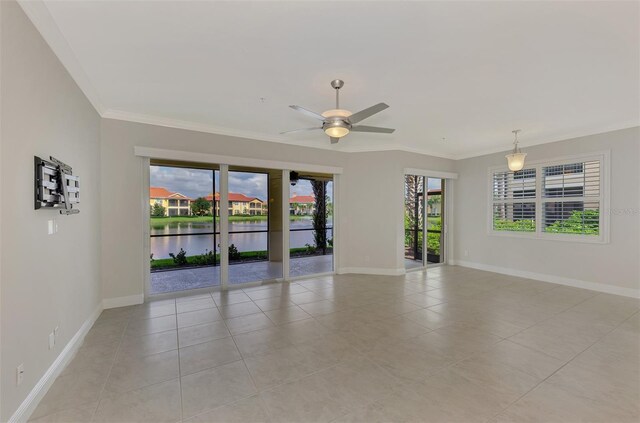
{"points": [[32, 400]]}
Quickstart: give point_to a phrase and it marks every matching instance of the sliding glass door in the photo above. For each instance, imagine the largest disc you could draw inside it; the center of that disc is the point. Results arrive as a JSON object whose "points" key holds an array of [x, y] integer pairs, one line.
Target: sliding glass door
{"points": [[423, 214], [251, 212], [435, 220], [310, 224], [414, 188], [220, 226], [184, 233]]}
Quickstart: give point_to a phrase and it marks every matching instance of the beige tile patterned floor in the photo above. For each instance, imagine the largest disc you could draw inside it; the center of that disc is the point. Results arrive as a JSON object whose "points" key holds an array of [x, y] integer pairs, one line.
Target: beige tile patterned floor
{"points": [[453, 345]]}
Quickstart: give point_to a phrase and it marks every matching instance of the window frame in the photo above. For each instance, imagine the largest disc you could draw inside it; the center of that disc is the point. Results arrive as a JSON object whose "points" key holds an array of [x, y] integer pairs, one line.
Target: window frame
{"points": [[602, 238]]}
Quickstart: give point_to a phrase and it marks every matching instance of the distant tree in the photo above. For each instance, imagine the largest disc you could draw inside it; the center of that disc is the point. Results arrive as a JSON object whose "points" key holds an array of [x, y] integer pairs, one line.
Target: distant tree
{"points": [[320, 214], [157, 210], [329, 207], [200, 206]]}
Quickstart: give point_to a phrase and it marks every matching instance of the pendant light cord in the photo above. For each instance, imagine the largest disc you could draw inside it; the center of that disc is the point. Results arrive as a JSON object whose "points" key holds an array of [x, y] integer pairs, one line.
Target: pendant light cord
{"points": [[515, 141]]}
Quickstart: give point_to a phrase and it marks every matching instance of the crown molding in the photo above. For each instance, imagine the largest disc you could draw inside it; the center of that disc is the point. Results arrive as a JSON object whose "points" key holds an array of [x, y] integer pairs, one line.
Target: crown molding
{"points": [[193, 126], [556, 137], [212, 129], [206, 128], [39, 14]]}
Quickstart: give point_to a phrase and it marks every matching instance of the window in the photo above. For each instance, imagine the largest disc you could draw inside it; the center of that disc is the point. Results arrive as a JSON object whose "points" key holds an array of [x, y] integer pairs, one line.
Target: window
{"points": [[514, 201], [556, 200], [571, 200]]}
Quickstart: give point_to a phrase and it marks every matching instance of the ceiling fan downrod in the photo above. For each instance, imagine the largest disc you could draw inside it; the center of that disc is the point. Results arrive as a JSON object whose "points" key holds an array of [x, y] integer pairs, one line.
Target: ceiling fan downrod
{"points": [[337, 84]]}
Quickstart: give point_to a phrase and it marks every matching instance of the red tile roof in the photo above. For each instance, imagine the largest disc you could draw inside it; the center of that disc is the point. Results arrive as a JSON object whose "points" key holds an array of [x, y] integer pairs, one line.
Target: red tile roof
{"points": [[234, 196], [160, 192], [306, 199]]}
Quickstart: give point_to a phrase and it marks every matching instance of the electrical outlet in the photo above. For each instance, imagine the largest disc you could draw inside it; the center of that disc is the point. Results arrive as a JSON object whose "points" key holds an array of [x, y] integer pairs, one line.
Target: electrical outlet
{"points": [[55, 334], [52, 340], [466, 253], [19, 374]]}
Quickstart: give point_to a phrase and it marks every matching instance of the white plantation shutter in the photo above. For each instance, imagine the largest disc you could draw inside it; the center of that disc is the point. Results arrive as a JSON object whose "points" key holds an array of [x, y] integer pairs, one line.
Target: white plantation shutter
{"points": [[514, 200], [571, 198], [560, 200]]}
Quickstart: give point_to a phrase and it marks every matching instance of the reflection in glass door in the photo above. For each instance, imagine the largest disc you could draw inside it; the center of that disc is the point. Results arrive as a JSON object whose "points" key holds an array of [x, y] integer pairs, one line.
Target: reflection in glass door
{"points": [[183, 229]]}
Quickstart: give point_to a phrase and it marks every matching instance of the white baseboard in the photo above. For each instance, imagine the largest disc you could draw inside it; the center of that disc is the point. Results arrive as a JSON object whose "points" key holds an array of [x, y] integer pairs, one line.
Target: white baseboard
{"points": [[372, 271], [576, 283], [122, 301], [315, 275], [32, 400]]}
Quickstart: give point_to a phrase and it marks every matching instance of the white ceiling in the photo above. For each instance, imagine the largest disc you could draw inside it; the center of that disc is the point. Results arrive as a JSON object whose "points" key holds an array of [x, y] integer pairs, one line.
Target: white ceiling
{"points": [[467, 72]]}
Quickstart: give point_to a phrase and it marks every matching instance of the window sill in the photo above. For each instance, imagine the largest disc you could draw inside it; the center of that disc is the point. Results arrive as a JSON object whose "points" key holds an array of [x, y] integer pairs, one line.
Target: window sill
{"points": [[584, 239]]}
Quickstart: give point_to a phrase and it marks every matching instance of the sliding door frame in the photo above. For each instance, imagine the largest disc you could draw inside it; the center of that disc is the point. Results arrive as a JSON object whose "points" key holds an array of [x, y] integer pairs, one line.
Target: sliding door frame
{"points": [[447, 217], [223, 162]]}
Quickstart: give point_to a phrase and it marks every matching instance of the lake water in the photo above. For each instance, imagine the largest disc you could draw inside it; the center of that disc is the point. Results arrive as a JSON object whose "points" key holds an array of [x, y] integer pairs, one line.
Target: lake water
{"points": [[198, 244]]}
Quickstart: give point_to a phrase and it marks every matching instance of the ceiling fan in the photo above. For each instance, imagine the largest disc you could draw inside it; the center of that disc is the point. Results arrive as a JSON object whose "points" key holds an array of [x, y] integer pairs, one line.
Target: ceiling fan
{"points": [[337, 123]]}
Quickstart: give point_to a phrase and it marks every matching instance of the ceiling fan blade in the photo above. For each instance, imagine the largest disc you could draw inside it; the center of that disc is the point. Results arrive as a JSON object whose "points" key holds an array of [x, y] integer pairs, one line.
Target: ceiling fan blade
{"points": [[363, 114], [308, 112], [365, 128], [301, 129], [334, 140]]}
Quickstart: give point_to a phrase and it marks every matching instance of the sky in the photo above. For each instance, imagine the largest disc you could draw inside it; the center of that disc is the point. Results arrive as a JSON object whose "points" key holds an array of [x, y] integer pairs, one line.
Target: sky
{"points": [[196, 183]]}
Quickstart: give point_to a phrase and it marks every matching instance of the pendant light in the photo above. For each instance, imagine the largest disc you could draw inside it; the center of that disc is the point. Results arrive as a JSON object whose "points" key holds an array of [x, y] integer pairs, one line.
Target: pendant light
{"points": [[515, 160]]}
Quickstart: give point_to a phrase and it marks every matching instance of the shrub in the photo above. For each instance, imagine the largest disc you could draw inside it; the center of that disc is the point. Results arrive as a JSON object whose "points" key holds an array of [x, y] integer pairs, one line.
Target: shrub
{"points": [[580, 222], [206, 259], [433, 243], [524, 225], [179, 259], [233, 253]]}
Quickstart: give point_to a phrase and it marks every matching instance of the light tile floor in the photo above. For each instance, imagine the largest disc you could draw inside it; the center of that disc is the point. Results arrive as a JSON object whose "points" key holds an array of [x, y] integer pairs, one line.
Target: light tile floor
{"points": [[453, 345]]}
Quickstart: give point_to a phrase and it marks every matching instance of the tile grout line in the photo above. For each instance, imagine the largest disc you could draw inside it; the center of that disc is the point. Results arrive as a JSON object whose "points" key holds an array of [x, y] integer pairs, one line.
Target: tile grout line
{"points": [[565, 364], [381, 296], [113, 362], [179, 363]]}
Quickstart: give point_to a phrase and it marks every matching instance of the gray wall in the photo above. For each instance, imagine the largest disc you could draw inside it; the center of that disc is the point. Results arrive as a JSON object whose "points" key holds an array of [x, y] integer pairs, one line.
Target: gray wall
{"points": [[373, 216], [370, 197], [614, 264], [47, 280]]}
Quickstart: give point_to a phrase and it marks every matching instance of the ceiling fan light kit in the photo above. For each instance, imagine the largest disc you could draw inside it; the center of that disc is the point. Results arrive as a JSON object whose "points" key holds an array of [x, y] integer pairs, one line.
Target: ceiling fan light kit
{"points": [[515, 160], [338, 123]]}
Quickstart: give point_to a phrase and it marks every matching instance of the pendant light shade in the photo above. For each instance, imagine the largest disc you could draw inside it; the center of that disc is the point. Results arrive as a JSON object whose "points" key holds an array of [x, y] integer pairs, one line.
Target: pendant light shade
{"points": [[515, 160]]}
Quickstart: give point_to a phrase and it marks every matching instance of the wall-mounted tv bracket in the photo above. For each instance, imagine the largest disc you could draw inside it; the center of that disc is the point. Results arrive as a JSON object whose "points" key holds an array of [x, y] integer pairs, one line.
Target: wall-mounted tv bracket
{"points": [[55, 186]]}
